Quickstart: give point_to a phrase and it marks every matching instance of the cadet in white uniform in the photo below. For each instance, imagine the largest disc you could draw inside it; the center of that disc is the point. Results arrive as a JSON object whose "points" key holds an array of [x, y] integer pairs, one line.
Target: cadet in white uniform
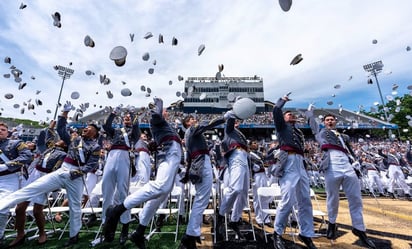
{"points": [[339, 172], [168, 157], [82, 157]]}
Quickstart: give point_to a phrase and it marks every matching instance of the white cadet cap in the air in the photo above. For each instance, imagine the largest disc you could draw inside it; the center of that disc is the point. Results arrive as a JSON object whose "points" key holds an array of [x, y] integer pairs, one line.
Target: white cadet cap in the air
{"points": [[126, 92], [118, 55], [146, 56], [201, 49], [148, 35], [75, 95], [57, 19], [298, 58], [244, 108], [88, 41]]}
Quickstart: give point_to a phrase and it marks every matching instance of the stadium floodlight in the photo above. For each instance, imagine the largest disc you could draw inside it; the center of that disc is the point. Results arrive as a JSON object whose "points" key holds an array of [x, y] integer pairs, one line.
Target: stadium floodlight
{"points": [[374, 69], [65, 73]]}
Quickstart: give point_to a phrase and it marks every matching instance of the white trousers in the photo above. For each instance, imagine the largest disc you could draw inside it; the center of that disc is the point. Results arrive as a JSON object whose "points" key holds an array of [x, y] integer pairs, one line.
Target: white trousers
{"points": [[201, 200], [294, 188], [235, 194], [155, 192], [115, 182], [52, 181], [341, 173], [397, 178], [8, 184]]}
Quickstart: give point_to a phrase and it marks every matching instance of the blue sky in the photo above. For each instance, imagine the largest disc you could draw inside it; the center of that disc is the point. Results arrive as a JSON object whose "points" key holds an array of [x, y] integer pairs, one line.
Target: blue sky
{"points": [[249, 37]]}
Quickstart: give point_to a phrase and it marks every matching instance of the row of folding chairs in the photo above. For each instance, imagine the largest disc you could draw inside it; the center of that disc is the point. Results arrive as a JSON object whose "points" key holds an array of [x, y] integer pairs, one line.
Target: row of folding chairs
{"points": [[274, 194], [173, 209]]}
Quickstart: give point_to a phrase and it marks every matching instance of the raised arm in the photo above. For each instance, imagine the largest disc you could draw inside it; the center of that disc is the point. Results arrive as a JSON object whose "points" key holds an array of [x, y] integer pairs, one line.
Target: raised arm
{"points": [[108, 128], [212, 124], [278, 118], [135, 128], [314, 125]]}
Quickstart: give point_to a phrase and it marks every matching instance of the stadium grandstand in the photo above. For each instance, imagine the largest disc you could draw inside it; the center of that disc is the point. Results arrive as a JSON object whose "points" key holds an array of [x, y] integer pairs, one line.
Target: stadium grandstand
{"points": [[209, 97]]}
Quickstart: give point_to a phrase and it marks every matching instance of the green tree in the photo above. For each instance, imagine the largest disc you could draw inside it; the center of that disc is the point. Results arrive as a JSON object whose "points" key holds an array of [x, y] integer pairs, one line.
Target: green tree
{"points": [[399, 112]]}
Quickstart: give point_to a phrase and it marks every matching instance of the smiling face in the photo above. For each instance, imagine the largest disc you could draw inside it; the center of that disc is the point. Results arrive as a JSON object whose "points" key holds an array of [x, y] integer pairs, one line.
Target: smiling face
{"points": [[89, 132], [60, 143], [189, 122], [254, 145], [127, 120], [330, 122], [289, 117]]}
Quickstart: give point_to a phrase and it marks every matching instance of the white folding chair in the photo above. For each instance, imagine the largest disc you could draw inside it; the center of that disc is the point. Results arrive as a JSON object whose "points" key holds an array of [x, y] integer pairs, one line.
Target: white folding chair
{"points": [[169, 211], [96, 211], [318, 212], [28, 228], [273, 194], [64, 210], [247, 210]]}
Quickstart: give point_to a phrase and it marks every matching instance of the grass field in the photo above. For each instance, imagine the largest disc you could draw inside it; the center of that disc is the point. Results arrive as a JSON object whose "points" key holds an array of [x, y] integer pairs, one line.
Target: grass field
{"points": [[86, 237], [388, 223]]}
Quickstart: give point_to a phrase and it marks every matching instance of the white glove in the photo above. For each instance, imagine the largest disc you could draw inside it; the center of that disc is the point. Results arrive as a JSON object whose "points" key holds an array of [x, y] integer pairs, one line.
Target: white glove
{"points": [[3, 167], [229, 114], [286, 97], [68, 106], [83, 107], [131, 109], [311, 107], [99, 172], [118, 109], [356, 165]]}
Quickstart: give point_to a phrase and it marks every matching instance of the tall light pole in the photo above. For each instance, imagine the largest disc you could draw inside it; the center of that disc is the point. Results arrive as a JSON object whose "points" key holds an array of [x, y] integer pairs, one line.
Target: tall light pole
{"points": [[375, 68], [65, 73]]}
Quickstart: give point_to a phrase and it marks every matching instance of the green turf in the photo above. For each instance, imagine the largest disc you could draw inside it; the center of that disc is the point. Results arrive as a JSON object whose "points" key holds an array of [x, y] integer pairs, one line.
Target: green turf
{"points": [[85, 238]]}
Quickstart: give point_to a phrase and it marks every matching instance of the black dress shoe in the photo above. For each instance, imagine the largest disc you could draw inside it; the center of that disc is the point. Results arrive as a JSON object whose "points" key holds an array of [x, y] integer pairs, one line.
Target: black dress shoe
{"points": [[278, 241], [308, 242], [138, 239], [160, 220], [124, 235], [113, 214], [188, 242], [362, 236], [269, 224], [2, 240], [331, 232], [19, 242], [220, 228], [91, 221], [123, 238], [72, 240], [235, 227]]}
